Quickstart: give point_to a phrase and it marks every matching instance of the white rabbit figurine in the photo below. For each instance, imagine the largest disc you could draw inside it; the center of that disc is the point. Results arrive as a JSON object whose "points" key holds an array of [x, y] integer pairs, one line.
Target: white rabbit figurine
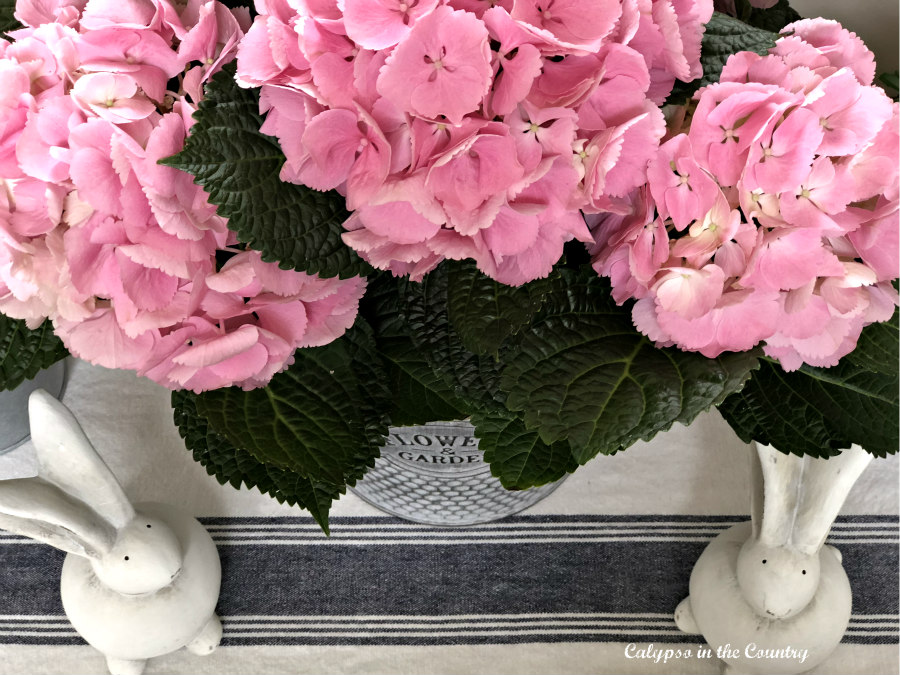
{"points": [[766, 590], [138, 582]]}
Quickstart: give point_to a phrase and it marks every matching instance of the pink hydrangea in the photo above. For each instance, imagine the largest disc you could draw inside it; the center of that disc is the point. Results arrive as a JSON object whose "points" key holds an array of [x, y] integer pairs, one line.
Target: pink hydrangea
{"points": [[774, 220], [126, 256], [467, 128]]}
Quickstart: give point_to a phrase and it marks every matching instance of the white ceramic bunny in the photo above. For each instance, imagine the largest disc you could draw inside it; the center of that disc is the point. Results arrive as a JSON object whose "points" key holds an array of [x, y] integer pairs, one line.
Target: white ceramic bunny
{"points": [[138, 581], [767, 593]]}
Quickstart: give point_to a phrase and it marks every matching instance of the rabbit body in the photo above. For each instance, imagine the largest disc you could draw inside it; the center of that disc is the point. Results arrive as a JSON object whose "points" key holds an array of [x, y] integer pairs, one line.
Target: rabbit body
{"points": [[138, 627], [767, 594], [137, 583], [720, 612]]}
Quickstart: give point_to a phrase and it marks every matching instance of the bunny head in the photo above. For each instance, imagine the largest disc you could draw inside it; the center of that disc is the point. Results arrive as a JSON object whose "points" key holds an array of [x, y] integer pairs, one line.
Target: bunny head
{"points": [[777, 582], [794, 502], [145, 557], [76, 504]]}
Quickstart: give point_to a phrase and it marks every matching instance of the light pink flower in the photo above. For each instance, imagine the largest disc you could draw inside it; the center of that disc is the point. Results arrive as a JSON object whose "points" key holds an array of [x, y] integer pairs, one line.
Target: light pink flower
{"points": [[739, 321], [680, 187], [489, 125], [111, 97], [345, 146], [799, 247], [270, 54], [729, 120], [841, 47], [850, 114], [567, 82], [119, 251], [144, 55], [414, 260], [473, 180], [42, 148], [377, 24], [571, 25], [688, 292], [616, 159], [38, 12], [441, 68], [780, 163], [877, 239]]}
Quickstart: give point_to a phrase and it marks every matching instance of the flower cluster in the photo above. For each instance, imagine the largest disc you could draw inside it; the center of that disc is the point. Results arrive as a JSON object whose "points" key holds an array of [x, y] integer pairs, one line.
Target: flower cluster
{"points": [[126, 256], [470, 128], [775, 218]]}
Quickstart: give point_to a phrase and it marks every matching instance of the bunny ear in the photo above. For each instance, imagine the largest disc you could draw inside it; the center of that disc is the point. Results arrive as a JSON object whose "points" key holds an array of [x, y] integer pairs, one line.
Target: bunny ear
{"points": [[781, 476], [824, 488], [36, 509], [67, 459], [757, 496]]}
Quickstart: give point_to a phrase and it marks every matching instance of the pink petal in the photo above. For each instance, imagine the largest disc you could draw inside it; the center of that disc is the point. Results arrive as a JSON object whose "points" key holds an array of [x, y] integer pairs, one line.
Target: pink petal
{"points": [[514, 82], [398, 222], [212, 351], [101, 341], [332, 139], [377, 24], [511, 233]]}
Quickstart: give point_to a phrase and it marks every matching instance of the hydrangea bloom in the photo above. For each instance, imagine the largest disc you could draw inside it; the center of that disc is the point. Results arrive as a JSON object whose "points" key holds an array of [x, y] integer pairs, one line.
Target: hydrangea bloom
{"points": [[775, 219], [470, 128], [126, 256]]}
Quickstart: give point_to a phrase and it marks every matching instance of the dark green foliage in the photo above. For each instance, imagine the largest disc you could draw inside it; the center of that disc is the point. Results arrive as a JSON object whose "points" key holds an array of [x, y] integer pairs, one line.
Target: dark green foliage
{"points": [[8, 21], [582, 373], [473, 378], [773, 19], [418, 393], [725, 36], [25, 352], [518, 456], [232, 465], [485, 312], [324, 417], [819, 411]]}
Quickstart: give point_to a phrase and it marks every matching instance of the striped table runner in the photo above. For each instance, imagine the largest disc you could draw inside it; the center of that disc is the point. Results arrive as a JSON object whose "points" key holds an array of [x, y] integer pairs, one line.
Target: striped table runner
{"points": [[527, 579]]}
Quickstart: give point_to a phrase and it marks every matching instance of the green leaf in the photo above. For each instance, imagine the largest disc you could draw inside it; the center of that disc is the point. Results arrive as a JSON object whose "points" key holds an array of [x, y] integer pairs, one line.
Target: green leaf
{"points": [[773, 19], [239, 167], [485, 312], [725, 36], [25, 352], [876, 350], [418, 393], [323, 418], [8, 20], [518, 456], [890, 82], [474, 378], [819, 411], [582, 373], [234, 466]]}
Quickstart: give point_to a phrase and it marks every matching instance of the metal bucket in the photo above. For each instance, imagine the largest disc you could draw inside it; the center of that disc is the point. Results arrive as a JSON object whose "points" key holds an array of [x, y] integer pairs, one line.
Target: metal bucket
{"points": [[435, 474], [14, 405]]}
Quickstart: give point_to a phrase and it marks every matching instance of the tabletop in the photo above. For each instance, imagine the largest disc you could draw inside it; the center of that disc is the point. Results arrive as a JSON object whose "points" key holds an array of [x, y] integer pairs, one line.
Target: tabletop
{"points": [[585, 581]]}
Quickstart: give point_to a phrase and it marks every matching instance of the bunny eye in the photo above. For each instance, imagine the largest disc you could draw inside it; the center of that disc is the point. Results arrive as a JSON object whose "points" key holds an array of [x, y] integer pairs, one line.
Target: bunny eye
{"points": [[804, 571], [148, 526], [764, 562], [126, 557]]}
